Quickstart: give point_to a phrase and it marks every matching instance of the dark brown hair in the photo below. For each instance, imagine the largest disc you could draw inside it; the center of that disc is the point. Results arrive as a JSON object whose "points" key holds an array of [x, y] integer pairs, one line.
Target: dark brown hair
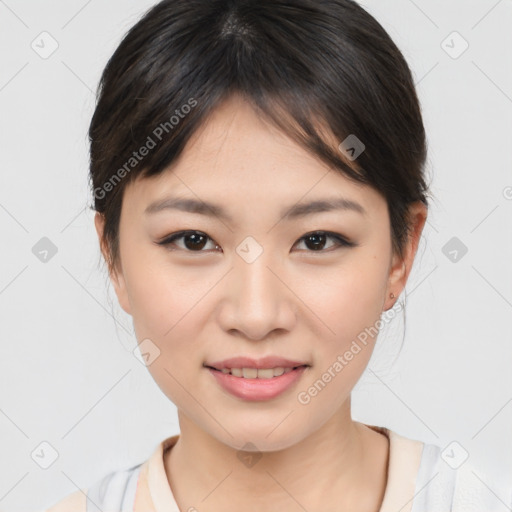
{"points": [[320, 70]]}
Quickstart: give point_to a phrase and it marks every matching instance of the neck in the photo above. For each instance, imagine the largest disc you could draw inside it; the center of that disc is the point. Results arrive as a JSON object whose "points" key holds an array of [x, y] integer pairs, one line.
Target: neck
{"points": [[343, 463]]}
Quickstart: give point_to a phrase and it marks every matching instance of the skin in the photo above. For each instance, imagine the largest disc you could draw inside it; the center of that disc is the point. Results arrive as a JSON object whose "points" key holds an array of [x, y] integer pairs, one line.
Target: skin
{"points": [[292, 301]]}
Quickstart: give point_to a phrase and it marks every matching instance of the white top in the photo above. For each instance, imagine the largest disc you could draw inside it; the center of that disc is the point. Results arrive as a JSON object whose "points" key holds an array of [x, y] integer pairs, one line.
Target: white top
{"points": [[420, 479]]}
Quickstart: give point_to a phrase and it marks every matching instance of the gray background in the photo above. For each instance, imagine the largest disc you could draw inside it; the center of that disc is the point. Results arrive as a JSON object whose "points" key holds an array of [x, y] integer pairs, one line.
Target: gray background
{"points": [[68, 374]]}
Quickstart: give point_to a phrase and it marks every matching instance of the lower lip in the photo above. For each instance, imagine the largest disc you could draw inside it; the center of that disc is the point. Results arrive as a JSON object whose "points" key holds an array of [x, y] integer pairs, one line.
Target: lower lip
{"points": [[257, 389]]}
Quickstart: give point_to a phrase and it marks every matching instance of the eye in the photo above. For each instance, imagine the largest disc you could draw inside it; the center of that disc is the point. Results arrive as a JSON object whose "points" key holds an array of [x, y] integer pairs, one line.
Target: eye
{"points": [[195, 241], [317, 240]]}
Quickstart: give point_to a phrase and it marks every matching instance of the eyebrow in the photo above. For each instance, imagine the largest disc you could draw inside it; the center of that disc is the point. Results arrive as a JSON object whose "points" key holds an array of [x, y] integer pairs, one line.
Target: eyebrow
{"points": [[295, 211]]}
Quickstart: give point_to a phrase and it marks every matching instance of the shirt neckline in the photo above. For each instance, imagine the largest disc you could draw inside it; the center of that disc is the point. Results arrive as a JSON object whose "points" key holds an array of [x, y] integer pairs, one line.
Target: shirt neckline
{"points": [[403, 465]]}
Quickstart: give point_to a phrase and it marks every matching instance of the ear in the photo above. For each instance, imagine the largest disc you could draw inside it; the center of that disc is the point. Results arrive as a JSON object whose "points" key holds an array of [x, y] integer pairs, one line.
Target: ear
{"points": [[115, 274], [401, 266]]}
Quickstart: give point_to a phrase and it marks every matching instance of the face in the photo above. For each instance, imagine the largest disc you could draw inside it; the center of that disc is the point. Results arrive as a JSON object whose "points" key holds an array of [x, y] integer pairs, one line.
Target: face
{"points": [[251, 282]]}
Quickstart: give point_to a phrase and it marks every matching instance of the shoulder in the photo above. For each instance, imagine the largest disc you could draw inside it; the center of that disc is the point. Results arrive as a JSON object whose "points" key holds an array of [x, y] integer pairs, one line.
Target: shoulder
{"points": [[424, 477], [118, 490], [449, 480], [75, 501], [115, 492]]}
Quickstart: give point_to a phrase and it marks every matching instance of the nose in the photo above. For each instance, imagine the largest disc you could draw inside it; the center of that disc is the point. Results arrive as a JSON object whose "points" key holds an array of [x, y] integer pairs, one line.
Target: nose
{"points": [[257, 299]]}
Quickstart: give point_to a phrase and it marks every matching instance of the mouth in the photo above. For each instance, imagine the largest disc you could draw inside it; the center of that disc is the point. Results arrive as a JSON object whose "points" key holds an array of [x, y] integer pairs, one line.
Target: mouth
{"points": [[261, 381], [257, 373]]}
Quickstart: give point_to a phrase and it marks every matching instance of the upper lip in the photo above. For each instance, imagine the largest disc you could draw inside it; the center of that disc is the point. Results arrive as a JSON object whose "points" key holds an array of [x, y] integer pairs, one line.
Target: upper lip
{"points": [[247, 362]]}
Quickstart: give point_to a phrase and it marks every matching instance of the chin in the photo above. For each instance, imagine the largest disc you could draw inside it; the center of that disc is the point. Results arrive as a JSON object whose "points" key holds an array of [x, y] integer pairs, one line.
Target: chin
{"points": [[257, 439]]}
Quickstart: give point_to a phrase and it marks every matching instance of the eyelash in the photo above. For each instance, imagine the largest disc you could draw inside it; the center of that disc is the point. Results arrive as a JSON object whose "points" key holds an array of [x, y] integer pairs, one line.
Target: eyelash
{"points": [[342, 242]]}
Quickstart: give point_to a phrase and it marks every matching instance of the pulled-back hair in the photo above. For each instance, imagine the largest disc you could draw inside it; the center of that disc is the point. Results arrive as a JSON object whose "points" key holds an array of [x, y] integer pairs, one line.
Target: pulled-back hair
{"points": [[320, 70]]}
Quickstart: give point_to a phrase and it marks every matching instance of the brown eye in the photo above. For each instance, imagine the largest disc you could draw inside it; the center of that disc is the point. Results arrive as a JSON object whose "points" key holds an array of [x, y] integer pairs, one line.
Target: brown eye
{"points": [[193, 241], [316, 241]]}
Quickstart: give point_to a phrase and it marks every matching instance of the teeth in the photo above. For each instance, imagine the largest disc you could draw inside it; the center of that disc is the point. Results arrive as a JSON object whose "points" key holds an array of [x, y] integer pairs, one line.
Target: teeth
{"points": [[257, 373], [250, 373]]}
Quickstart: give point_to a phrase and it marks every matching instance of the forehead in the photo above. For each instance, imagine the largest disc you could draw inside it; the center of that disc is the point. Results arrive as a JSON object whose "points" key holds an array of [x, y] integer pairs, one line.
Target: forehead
{"points": [[236, 156]]}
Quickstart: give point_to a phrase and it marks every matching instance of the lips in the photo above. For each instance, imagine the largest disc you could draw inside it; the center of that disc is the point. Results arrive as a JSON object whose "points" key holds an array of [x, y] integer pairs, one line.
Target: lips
{"points": [[255, 382]]}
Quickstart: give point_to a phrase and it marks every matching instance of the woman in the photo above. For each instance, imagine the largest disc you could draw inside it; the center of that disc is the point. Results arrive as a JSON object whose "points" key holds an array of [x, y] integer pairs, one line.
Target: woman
{"points": [[258, 180]]}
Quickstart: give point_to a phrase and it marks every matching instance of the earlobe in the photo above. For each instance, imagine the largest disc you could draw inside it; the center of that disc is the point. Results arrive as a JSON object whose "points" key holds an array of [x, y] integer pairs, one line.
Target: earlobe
{"points": [[119, 284], [116, 275], [396, 281]]}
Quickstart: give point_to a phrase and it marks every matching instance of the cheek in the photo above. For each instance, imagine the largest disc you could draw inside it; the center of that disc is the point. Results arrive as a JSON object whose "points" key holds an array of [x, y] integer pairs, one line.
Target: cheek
{"points": [[166, 302], [157, 304], [348, 304], [167, 309], [344, 300]]}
